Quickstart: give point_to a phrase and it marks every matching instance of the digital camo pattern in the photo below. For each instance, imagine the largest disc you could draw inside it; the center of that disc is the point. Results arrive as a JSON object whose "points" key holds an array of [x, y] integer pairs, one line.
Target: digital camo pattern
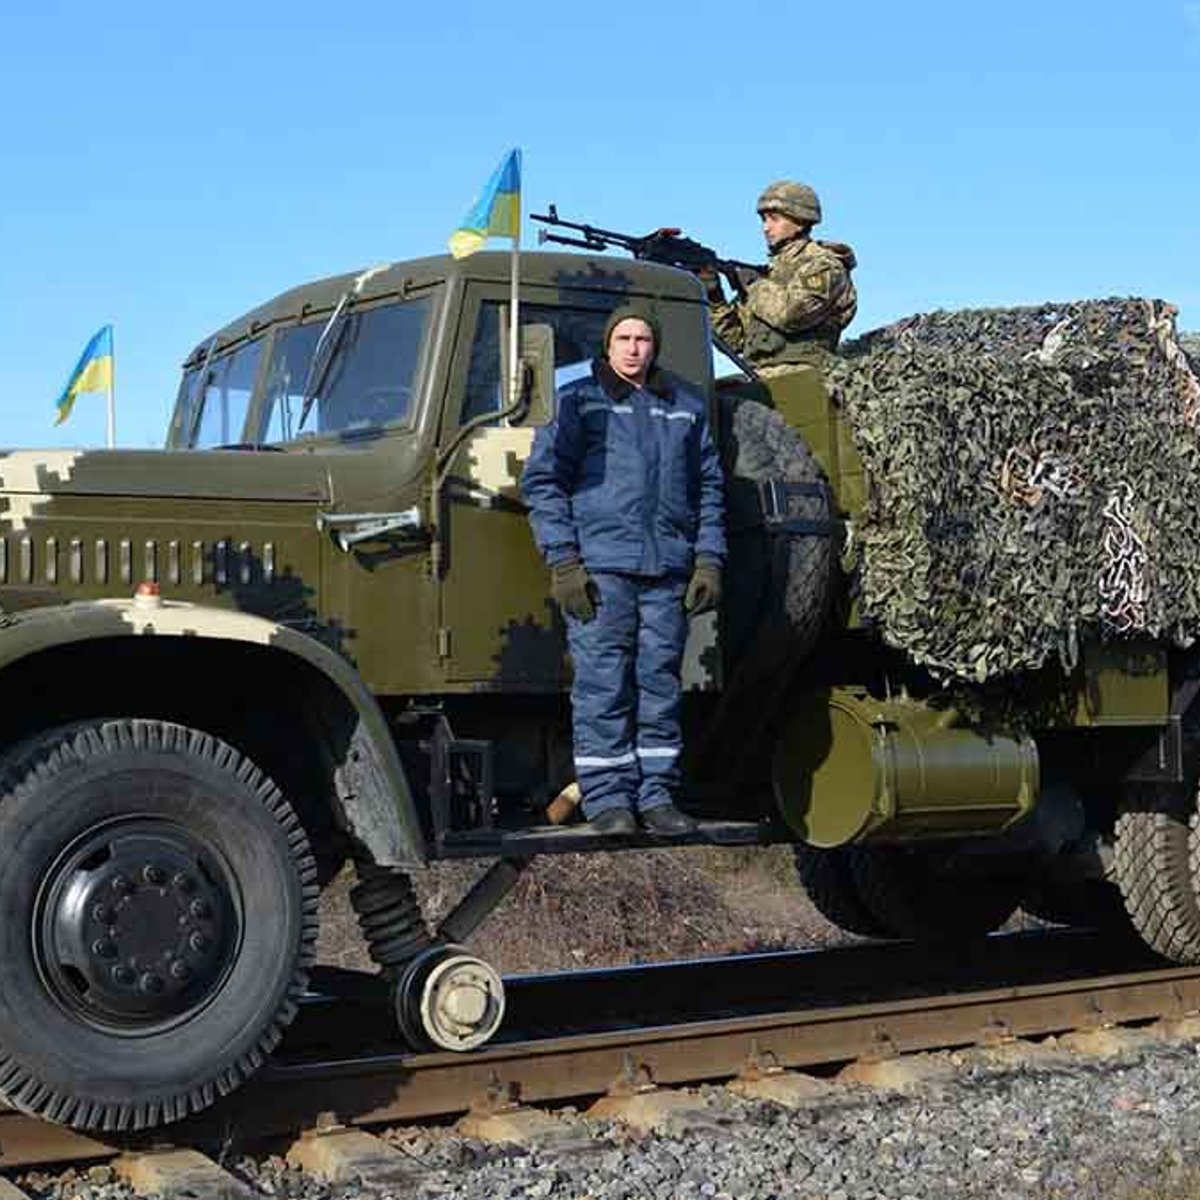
{"points": [[496, 458], [795, 200], [806, 296], [25, 478], [1033, 476], [699, 671]]}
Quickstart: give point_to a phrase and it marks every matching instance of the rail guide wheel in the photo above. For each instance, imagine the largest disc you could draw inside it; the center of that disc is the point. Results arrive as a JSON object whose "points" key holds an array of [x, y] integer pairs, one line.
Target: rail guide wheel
{"points": [[449, 999]]}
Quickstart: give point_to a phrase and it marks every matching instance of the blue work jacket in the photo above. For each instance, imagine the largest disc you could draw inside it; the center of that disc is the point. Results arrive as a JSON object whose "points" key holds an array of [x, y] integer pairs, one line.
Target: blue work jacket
{"points": [[627, 478]]}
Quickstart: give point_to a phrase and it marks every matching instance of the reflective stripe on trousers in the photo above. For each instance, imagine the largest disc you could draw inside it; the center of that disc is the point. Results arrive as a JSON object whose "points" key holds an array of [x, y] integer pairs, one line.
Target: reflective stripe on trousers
{"points": [[625, 698]]}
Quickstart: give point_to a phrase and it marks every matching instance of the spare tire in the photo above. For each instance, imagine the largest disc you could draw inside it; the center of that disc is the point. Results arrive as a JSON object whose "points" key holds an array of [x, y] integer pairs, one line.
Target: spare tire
{"points": [[827, 877], [778, 582], [914, 892]]}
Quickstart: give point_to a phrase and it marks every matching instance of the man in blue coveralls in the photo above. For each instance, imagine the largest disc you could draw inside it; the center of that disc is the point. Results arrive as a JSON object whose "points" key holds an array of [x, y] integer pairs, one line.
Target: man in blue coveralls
{"points": [[625, 497]]}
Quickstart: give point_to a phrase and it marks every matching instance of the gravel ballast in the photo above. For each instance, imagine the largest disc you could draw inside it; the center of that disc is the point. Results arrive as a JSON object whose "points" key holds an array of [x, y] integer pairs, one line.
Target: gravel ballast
{"points": [[1093, 1129], [1121, 1129], [1117, 1129]]}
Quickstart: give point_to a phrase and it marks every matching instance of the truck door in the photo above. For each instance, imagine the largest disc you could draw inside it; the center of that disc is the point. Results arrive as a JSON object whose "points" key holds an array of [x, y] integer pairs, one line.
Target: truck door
{"points": [[499, 628], [346, 390]]}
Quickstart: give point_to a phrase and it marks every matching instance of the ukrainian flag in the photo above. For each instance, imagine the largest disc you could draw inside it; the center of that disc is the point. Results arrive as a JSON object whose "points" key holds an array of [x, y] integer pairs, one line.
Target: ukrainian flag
{"points": [[93, 372], [497, 212]]}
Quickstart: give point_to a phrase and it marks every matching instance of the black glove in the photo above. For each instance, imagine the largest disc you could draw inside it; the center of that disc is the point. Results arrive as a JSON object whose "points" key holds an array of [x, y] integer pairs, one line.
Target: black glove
{"points": [[739, 279], [712, 284], [704, 588], [574, 590]]}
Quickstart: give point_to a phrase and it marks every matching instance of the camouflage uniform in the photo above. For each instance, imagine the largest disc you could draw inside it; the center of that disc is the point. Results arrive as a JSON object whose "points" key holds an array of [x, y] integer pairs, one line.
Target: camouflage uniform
{"points": [[797, 311], [793, 314]]}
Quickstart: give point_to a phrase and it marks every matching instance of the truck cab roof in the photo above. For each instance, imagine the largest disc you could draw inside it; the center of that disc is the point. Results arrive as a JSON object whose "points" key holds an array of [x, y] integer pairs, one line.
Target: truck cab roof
{"points": [[569, 273]]}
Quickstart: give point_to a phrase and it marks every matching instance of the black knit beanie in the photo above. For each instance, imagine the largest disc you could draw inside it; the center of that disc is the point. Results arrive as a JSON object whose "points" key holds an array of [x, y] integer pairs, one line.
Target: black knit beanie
{"points": [[643, 312]]}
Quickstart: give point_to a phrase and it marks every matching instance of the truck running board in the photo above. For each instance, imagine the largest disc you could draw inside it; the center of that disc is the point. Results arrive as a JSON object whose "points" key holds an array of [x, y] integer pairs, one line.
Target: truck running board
{"points": [[580, 839]]}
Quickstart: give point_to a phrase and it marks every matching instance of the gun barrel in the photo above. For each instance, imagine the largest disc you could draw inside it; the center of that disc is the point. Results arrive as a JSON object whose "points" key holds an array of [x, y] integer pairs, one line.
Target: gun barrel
{"points": [[664, 245], [595, 235], [544, 235]]}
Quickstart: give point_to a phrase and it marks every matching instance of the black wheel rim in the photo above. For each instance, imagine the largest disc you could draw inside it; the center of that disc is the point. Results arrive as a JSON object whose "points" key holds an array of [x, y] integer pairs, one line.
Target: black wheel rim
{"points": [[136, 926]]}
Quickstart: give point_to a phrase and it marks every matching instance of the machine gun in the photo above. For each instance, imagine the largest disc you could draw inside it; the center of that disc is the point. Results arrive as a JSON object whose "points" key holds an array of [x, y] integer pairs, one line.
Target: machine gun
{"points": [[666, 245]]}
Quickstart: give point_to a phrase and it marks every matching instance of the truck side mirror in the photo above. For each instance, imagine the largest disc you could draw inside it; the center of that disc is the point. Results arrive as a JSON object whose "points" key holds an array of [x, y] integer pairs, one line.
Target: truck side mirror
{"points": [[537, 382]]}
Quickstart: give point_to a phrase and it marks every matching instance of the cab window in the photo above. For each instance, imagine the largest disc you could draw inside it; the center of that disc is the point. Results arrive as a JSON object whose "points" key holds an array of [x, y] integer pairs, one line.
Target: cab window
{"points": [[577, 333], [349, 375], [226, 398], [184, 413]]}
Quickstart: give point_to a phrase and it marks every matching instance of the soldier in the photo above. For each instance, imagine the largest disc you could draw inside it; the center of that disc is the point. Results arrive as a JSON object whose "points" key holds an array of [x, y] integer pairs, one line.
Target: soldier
{"points": [[795, 313], [625, 497]]}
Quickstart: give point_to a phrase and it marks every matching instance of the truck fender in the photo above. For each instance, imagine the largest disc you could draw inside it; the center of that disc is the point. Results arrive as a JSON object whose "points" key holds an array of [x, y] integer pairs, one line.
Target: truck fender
{"points": [[376, 804]]}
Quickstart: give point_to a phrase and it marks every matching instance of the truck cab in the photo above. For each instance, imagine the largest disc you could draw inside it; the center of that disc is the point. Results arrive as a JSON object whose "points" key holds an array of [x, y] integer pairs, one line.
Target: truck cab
{"points": [[385, 390]]}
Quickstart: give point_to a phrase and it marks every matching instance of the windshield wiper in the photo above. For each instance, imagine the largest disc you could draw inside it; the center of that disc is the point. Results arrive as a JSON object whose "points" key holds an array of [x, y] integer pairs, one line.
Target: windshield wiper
{"points": [[318, 367], [319, 364]]}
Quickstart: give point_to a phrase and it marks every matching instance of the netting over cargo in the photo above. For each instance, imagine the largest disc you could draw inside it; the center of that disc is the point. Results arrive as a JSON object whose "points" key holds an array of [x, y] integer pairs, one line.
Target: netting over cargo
{"points": [[1035, 474]]}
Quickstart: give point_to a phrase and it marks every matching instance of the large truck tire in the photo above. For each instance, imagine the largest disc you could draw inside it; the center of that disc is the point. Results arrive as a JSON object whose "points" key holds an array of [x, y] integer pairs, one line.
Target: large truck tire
{"points": [[827, 877], [159, 901], [913, 895], [778, 586], [1153, 867]]}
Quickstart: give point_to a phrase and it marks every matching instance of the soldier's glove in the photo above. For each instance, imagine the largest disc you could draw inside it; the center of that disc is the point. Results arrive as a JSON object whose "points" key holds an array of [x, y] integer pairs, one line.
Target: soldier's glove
{"points": [[704, 588], [739, 280], [573, 589], [712, 284]]}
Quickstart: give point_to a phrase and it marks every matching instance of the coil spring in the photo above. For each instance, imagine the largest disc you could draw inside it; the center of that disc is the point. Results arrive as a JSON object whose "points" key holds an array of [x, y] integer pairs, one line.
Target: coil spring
{"points": [[389, 917]]}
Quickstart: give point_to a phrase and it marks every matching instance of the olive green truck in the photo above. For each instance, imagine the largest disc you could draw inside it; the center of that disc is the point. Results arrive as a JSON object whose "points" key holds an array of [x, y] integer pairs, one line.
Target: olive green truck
{"points": [[315, 628]]}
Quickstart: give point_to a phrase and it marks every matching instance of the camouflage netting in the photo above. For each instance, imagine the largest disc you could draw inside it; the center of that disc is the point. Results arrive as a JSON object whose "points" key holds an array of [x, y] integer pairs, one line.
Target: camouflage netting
{"points": [[1035, 475]]}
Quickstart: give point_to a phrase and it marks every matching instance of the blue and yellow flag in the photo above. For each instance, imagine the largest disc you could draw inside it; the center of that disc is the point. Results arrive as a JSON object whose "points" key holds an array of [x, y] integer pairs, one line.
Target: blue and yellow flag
{"points": [[497, 212], [93, 372]]}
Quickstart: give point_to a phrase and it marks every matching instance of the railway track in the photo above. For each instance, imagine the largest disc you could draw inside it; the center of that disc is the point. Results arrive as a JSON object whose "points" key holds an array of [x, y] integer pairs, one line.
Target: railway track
{"points": [[626, 1031]]}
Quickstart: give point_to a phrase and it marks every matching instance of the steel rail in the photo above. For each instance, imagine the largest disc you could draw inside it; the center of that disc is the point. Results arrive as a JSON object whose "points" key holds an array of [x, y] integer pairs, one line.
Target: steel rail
{"points": [[381, 1088]]}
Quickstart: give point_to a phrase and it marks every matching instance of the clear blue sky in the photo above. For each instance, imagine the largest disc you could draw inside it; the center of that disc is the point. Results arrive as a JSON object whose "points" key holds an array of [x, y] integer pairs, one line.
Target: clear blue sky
{"points": [[166, 167]]}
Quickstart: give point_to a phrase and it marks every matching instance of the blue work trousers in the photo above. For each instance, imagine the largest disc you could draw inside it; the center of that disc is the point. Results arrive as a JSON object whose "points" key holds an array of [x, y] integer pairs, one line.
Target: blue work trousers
{"points": [[625, 698]]}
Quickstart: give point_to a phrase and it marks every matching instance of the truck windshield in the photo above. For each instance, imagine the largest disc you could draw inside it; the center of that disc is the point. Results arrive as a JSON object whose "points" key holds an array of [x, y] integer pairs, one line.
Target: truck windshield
{"points": [[226, 398], [184, 412], [364, 382]]}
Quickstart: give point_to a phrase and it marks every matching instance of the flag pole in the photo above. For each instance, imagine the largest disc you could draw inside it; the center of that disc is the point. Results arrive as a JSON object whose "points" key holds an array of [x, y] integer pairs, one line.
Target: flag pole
{"points": [[514, 325], [112, 387]]}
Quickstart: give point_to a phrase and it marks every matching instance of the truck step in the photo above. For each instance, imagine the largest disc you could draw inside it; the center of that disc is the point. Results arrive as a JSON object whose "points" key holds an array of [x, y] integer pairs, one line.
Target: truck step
{"points": [[580, 839]]}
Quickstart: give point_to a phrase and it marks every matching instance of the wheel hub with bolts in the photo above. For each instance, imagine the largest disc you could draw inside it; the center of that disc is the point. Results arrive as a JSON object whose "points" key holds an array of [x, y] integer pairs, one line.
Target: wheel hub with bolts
{"points": [[136, 924], [450, 999]]}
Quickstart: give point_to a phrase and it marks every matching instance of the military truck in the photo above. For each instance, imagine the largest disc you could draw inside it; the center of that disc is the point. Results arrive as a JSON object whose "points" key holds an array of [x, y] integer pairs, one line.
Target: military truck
{"points": [[314, 628]]}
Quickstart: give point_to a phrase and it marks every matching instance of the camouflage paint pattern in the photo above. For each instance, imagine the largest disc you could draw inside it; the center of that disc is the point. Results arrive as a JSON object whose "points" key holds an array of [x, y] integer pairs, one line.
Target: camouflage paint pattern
{"points": [[386, 821]]}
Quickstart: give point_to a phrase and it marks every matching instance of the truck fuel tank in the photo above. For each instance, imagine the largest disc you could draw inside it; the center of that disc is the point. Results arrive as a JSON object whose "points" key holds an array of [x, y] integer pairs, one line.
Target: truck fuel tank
{"points": [[851, 768]]}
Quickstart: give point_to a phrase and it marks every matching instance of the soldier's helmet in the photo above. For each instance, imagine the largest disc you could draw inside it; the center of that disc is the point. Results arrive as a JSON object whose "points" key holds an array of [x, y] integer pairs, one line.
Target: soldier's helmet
{"points": [[795, 200]]}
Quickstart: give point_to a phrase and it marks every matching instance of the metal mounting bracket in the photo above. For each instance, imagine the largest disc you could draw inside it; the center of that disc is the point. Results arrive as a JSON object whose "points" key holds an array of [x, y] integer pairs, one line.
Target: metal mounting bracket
{"points": [[349, 529]]}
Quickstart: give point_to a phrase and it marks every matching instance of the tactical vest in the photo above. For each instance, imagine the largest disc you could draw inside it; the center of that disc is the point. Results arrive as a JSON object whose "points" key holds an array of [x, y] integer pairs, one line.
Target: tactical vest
{"points": [[765, 345]]}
